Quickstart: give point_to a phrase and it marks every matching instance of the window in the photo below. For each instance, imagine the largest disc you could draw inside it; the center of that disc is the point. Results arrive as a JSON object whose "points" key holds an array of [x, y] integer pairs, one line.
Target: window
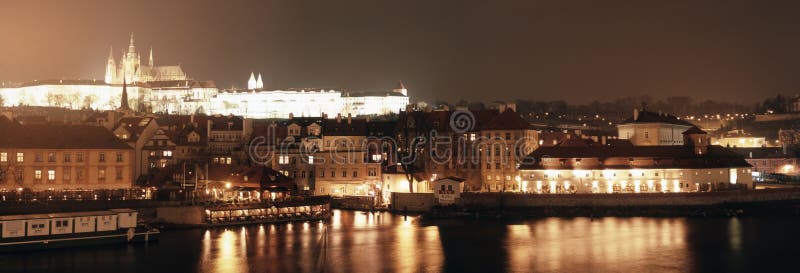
{"points": [[102, 157], [51, 175], [79, 174], [372, 172], [51, 157], [303, 174], [3, 157], [646, 134], [344, 173], [79, 157], [118, 173], [20, 157], [284, 159], [165, 153], [67, 173], [508, 136], [310, 159], [355, 173], [101, 174], [322, 173], [67, 157], [38, 157], [333, 173], [37, 174], [489, 177]]}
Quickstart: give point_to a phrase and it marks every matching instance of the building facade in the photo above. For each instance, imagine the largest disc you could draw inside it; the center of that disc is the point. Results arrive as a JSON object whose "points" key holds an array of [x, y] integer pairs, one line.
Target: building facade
{"points": [[63, 157]]}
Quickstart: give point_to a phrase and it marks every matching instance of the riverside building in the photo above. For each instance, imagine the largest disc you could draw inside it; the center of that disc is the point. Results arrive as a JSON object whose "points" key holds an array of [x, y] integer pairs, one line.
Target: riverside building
{"points": [[625, 167]]}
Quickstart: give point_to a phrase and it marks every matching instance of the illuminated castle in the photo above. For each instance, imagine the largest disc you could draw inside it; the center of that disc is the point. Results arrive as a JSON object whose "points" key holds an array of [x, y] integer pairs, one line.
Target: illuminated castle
{"points": [[131, 69], [167, 89]]}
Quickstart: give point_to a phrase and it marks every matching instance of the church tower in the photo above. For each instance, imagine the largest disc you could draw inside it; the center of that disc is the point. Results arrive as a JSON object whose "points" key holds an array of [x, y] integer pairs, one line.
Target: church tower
{"points": [[131, 63], [150, 63], [252, 84], [259, 82], [111, 67], [123, 104]]}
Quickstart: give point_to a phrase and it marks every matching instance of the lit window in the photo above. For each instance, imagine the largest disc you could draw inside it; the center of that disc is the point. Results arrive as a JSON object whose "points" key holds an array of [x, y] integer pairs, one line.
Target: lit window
{"points": [[101, 174], [310, 159], [284, 159], [37, 174], [51, 175], [167, 153], [3, 157]]}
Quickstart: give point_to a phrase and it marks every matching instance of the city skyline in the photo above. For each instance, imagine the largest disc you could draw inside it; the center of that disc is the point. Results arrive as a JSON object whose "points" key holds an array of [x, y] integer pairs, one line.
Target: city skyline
{"points": [[572, 51]]}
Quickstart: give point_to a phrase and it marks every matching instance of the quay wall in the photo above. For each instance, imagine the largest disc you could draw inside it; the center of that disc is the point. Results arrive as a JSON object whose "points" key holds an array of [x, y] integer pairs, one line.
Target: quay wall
{"points": [[520, 200], [414, 202], [184, 216]]}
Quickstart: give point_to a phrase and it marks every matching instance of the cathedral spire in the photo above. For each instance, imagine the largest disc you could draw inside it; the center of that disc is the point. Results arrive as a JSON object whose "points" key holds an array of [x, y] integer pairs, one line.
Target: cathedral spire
{"points": [[151, 57], [259, 82], [252, 84], [123, 105], [111, 54], [131, 47]]}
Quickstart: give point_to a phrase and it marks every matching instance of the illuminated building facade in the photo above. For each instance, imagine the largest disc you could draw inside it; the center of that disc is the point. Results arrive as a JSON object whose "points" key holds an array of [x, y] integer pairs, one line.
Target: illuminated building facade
{"points": [[130, 69], [625, 168], [62, 157], [647, 128]]}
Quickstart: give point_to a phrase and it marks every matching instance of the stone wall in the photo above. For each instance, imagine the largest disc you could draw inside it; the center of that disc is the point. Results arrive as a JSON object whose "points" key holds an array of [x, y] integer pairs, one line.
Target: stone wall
{"points": [[407, 201], [495, 200], [189, 216]]}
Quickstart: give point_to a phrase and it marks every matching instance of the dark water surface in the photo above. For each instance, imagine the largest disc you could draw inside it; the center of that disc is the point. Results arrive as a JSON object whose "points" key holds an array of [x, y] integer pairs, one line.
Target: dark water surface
{"points": [[366, 242]]}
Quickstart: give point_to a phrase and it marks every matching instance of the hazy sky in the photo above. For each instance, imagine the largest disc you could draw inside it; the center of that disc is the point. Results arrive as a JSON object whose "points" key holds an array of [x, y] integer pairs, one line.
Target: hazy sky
{"points": [[738, 51]]}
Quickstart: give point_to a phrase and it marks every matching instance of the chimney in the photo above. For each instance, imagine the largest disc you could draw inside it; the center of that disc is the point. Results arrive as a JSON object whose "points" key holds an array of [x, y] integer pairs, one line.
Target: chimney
{"points": [[291, 115], [635, 114], [349, 118], [339, 118]]}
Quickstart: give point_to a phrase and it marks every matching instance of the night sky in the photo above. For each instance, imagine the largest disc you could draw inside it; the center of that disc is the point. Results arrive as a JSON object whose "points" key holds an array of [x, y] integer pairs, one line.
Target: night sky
{"points": [[736, 51]]}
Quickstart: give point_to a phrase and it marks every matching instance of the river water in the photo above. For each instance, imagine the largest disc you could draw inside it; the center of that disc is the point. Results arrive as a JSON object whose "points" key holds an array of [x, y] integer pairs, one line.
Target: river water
{"points": [[382, 242]]}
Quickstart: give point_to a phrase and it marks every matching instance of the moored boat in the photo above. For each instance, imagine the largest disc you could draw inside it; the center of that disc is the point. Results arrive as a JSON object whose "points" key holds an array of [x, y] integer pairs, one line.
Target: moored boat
{"points": [[72, 229]]}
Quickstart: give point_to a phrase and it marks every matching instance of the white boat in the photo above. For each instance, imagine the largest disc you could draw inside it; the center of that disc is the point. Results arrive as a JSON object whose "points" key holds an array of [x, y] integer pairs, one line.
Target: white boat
{"points": [[71, 229]]}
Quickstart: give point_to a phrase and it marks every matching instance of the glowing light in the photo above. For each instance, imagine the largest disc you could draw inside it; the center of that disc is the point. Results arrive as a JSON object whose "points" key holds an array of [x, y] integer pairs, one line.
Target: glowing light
{"points": [[579, 173], [552, 186], [677, 186], [637, 186]]}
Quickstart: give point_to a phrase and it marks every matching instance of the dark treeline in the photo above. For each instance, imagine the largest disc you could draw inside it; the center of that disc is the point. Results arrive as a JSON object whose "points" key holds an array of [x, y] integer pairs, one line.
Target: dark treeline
{"points": [[621, 107], [778, 105]]}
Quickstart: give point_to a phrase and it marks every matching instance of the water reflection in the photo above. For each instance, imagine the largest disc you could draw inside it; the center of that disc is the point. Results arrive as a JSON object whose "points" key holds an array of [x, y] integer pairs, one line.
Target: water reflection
{"points": [[382, 242]]}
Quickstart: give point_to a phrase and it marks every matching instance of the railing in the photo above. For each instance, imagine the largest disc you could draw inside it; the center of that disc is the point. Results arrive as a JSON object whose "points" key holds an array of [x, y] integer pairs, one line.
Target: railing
{"points": [[26, 195]]}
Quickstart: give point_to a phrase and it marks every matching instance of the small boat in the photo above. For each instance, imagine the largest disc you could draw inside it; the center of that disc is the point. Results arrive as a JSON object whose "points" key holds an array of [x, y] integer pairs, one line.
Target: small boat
{"points": [[72, 229]]}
